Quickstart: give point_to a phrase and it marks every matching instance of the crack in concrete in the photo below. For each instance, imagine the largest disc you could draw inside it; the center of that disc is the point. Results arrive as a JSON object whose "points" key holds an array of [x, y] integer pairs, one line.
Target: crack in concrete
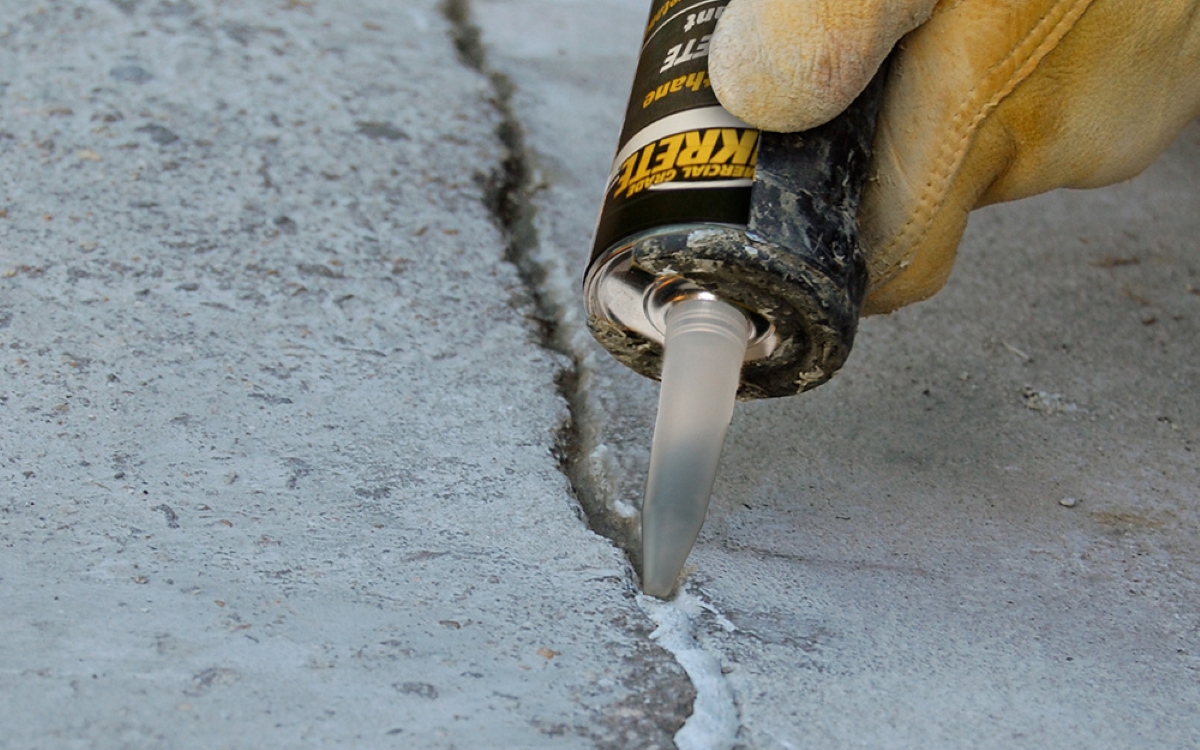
{"points": [[509, 198], [508, 195], [715, 723]]}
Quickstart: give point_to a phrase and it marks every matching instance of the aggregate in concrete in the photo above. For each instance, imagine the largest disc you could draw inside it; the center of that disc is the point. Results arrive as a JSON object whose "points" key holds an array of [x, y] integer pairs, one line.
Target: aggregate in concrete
{"points": [[281, 446], [982, 533]]}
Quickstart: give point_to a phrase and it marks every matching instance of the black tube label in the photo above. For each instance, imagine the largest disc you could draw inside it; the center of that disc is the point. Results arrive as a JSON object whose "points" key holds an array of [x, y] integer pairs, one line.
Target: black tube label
{"points": [[681, 157]]}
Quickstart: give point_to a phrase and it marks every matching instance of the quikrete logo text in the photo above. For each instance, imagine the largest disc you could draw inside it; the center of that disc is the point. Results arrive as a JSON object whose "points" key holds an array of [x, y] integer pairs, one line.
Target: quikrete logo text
{"points": [[709, 154]]}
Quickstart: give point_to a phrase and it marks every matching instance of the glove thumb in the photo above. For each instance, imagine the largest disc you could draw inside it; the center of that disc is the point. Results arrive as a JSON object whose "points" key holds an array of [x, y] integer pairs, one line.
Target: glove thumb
{"points": [[790, 65]]}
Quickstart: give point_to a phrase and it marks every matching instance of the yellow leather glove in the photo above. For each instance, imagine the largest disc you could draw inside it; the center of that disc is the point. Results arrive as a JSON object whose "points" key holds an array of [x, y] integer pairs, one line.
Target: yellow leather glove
{"points": [[986, 101]]}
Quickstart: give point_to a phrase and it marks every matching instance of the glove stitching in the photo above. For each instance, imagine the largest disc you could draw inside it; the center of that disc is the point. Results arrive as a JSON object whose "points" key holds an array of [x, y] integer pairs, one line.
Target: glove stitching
{"points": [[1022, 60]]}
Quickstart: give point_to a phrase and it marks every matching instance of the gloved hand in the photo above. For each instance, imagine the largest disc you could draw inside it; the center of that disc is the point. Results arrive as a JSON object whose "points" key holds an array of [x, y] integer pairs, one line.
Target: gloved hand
{"points": [[987, 101]]}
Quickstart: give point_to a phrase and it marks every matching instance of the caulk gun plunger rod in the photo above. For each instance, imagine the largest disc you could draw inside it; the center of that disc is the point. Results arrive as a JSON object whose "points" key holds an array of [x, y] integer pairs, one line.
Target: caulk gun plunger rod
{"points": [[703, 352]]}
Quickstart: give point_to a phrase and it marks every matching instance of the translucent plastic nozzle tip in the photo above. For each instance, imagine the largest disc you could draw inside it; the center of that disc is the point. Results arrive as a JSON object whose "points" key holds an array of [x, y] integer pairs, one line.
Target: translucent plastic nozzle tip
{"points": [[702, 362]]}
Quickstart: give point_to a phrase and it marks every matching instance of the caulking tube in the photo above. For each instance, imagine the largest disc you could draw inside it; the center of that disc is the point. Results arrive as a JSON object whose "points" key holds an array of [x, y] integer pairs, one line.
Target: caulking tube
{"points": [[699, 204]]}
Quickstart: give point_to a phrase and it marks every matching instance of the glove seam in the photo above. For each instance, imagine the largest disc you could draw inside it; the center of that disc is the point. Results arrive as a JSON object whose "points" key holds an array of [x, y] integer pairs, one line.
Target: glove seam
{"points": [[1022, 60]]}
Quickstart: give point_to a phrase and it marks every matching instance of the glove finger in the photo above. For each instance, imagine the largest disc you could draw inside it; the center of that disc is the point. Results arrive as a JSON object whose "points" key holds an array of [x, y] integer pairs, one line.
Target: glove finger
{"points": [[987, 104], [789, 65]]}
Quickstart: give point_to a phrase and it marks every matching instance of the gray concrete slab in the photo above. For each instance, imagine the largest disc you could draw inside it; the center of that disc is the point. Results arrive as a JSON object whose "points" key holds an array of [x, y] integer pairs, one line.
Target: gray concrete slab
{"points": [[279, 455], [983, 532]]}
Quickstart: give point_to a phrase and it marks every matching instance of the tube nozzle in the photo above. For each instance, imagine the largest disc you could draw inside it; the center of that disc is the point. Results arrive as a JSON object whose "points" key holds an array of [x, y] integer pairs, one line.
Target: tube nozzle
{"points": [[705, 345]]}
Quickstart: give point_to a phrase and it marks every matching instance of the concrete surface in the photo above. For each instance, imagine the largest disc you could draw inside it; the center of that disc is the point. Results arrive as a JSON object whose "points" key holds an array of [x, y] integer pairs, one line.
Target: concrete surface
{"points": [[292, 367]]}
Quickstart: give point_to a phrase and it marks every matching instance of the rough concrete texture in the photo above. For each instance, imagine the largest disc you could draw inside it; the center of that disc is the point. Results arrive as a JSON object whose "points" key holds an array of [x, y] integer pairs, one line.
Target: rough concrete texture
{"points": [[280, 442], [983, 532]]}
